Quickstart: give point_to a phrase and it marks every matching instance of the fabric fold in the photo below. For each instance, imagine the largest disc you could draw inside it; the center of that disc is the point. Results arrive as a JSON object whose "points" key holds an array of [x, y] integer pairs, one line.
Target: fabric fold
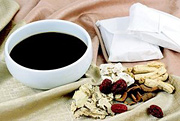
{"points": [[13, 109], [8, 9]]}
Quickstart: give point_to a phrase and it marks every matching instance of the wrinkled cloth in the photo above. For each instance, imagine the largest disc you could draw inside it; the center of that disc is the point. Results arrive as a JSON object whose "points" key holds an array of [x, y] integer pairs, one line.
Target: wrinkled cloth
{"points": [[7, 10], [19, 102]]}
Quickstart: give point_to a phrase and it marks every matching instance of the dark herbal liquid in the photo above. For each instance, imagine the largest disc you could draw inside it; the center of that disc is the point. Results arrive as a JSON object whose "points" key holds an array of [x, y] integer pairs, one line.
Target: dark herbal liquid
{"points": [[47, 51]]}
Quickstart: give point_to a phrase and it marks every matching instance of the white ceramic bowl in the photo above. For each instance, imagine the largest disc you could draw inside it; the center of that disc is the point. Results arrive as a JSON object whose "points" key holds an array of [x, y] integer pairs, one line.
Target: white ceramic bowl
{"points": [[46, 79]]}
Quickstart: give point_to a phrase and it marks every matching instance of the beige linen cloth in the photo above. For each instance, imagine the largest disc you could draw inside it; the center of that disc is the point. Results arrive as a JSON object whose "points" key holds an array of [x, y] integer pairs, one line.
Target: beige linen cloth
{"points": [[19, 102]]}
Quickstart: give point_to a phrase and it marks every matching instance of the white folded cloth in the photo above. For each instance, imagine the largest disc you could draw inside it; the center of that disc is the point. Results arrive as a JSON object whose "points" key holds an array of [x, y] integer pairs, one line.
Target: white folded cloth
{"points": [[123, 46], [155, 26]]}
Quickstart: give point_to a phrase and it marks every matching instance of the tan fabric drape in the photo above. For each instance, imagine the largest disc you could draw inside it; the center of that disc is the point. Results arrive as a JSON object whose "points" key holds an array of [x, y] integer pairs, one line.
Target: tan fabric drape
{"points": [[19, 102]]}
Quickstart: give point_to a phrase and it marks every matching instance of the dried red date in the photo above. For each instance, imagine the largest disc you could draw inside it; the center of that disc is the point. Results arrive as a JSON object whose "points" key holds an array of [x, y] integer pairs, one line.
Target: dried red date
{"points": [[119, 87], [155, 111], [105, 86], [118, 108]]}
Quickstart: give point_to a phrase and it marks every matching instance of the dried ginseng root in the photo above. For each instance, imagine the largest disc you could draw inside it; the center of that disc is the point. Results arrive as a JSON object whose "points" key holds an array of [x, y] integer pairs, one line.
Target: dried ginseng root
{"points": [[153, 75]]}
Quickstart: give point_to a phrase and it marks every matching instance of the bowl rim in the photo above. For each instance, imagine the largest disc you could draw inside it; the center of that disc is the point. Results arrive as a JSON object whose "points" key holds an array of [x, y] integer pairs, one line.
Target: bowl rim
{"points": [[89, 45]]}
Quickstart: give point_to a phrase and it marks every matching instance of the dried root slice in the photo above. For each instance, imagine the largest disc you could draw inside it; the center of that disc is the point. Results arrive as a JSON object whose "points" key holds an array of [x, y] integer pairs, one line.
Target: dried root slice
{"points": [[89, 101], [80, 98], [130, 69], [129, 101], [163, 77], [143, 76], [100, 114], [73, 106], [117, 96], [166, 87], [123, 98], [148, 89], [87, 89], [134, 98], [141, 81], [139, 69], [91, 106], [151, 83], [138, 96], [147, 96], [161, 85], [151, 75], [130, 74], [156, 64], [159, 72], [136, 87], [105, 104], [133, 94]]}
